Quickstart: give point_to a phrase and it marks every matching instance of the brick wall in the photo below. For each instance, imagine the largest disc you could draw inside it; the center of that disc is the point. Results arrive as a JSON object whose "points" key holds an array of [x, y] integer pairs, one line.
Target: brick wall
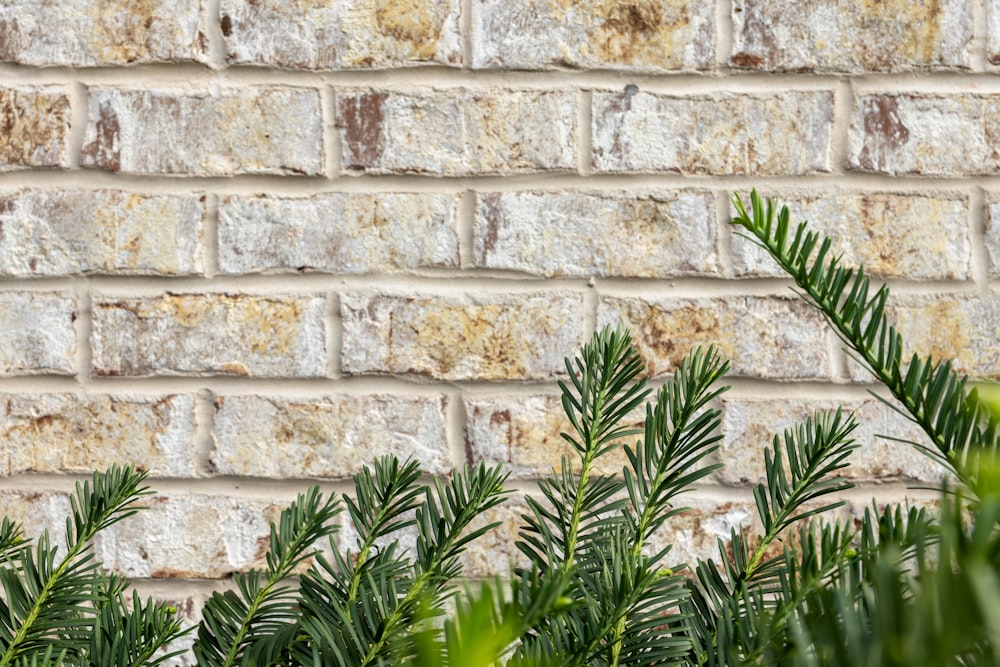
{"points": [[250, 245]]}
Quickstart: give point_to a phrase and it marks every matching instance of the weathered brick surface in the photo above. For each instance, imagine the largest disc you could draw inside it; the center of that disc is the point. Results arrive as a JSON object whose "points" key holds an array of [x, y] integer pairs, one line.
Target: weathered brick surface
{"points": [[68, 433], [36, 512], [993, 33], [993, 232], [849, 36], [197, 536], [37, 333], [749, 427], [915, 236], [256, 436], [251, 130], [577, 234], [637, 35], [932, 135], [34, 127], [457, 132], [955, 327], [65, 232], [210, 333], [113, 32], [765, 337], [338, 233], [786, 133], [514, 337], [342, 34], [524, 435]]}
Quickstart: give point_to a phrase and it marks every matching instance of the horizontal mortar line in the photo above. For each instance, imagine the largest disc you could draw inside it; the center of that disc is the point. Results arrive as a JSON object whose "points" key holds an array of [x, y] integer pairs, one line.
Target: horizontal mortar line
{"points": [[739, 80], [303, 186]]}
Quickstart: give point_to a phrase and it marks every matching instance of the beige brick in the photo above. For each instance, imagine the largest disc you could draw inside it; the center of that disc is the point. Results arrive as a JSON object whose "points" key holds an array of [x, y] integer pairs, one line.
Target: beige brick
{"points": [[749, 427], [993, 232], [495, 553], [332, 437], [634, 35], [34, 127], [933, 135], [612, 234], [338, 233], [37, 334], [766, 337], [782, 134], [457, 132], [993, 33], [232, 334], [68, 433], [252, 130], [342, 34], [909, 236], [490, 337], [60, 232], [960, 328], [524, 435], [74, 33], [193, 536], [847, 36], [37, 512]]}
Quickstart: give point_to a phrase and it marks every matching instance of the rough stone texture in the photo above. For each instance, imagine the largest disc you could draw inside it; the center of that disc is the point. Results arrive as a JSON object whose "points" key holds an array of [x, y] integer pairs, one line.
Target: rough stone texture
{"points": [[507, 337], [189, 537], [59, 232], [993, 33], [782, 134], [774, 338], [280, 336], [38, 511], [523, 434], [251, 130], [338, 233], [457, 132], [495, 552], [111, 32], [960, 328], [908, 236], [848, 36], [68, 433], [993, 232], [34, 127], [257, 436], [932, 135], [749, 427], [634, 35], [37, 334], [342, 33], [578, 234]]}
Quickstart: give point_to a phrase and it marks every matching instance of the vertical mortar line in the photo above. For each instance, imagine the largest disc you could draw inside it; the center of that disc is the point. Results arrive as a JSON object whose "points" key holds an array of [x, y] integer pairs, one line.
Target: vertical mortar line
{"points": [[334, 336], [204, 431], [584, 131], [591, 302], [212, 29], [724, 236], [465, 24], [723, 32], [79, 111], [465, 221], [210, 243], [843, 105], [977, 50], [979, 261], [455, 421], [331, 140], [84, 332]]}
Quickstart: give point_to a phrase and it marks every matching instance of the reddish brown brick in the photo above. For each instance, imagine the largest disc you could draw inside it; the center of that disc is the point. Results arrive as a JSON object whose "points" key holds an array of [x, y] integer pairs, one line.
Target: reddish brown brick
{"points": [[457, 132]]}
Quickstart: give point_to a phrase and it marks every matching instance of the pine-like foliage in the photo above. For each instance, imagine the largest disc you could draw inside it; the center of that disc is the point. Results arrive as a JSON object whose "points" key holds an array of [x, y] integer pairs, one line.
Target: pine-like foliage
{"points": [[63, 609]]}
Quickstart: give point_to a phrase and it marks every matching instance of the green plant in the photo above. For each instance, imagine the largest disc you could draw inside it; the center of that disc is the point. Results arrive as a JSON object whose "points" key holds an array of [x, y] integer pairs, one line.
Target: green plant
{"points": [[902, 586]]}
